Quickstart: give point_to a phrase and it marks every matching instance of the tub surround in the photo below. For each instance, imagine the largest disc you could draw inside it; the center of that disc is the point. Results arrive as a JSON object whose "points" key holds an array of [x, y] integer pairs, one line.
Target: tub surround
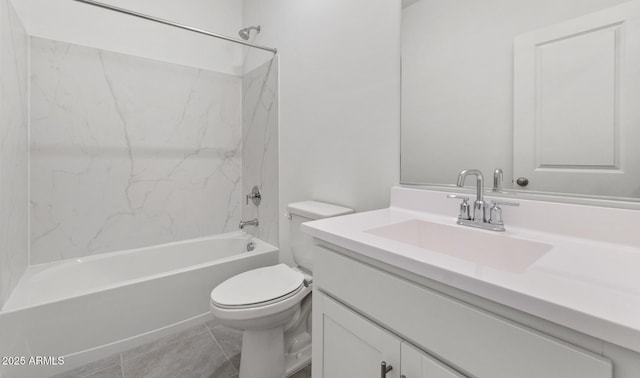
{"points": [[14, 149], [587, 281], [260, 148], [128, 152]]}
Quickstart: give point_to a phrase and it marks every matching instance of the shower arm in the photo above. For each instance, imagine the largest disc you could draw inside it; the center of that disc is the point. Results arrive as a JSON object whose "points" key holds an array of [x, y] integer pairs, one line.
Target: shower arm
{"points": [[175, 24]]}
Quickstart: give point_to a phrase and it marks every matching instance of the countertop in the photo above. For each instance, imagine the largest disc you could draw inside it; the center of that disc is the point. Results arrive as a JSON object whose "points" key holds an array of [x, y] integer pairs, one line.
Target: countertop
{"points": [[591, 286]]}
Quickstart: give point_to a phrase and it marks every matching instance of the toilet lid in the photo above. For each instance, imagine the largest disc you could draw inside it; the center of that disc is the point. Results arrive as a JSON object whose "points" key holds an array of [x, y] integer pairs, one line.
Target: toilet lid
{"points": [[257, 286]]}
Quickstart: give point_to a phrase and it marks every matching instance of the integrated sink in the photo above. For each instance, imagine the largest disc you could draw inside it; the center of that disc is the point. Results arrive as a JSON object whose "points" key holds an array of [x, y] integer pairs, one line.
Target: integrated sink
{"points": [[495, 250]]}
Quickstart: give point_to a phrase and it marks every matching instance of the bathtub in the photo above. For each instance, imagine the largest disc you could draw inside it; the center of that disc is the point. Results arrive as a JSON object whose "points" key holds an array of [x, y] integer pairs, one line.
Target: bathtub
{"points": [[92, 307]]}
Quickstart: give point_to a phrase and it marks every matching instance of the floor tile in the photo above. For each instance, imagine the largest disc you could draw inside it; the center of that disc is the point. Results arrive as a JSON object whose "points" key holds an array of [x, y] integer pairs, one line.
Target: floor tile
{"points": [[110, 372], [91, 368], [231, 342], [169, 339], [198, 356]]}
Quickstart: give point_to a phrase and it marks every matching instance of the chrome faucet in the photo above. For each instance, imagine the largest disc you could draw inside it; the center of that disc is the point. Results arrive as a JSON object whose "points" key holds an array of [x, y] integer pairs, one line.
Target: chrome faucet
{"points": [[498, 176], [479, 217], [253, 222], [479, 206]]}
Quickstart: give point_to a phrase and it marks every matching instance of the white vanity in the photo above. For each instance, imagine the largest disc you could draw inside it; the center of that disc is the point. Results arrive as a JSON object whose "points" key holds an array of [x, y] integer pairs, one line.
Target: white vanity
{"points": [[405, 292]]}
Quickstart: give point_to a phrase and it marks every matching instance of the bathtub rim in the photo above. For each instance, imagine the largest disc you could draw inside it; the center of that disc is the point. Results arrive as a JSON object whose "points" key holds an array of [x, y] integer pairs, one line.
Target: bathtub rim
{"points": [[262, 247]]}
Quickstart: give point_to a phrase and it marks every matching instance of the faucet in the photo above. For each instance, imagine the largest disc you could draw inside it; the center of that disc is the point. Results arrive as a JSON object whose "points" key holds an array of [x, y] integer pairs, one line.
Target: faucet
{"points": [[479, 216], [479, 206], [253, 222], [498, 176]]}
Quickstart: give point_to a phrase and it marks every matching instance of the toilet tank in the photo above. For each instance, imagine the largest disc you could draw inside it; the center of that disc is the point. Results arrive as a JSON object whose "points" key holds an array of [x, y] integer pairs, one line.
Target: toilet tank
{"points": [[303, 212]]}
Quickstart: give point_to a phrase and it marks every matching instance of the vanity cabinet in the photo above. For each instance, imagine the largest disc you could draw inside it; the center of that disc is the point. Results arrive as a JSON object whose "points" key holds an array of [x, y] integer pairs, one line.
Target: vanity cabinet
{"points": [[354, 347], [415, 363], [364, 315]]}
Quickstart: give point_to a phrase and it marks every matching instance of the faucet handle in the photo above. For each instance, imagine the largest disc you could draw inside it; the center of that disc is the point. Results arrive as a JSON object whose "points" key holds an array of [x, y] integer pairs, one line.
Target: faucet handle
{"points": [[495, 213], [504, 203], [255, 196], [465, 209], [464, 198]]}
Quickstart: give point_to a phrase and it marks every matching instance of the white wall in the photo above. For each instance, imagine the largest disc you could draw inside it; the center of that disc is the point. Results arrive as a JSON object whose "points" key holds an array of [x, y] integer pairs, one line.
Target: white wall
{"points": [[339, 99], [73, 22]]}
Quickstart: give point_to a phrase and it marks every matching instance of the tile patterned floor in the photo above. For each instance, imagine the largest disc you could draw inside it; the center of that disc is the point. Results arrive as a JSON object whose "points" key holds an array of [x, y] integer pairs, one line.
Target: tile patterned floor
{"points": [[205, 351]]}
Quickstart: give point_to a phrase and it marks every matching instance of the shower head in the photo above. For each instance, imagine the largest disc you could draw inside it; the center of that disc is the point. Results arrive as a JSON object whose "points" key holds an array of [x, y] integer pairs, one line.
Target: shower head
{"points": [[244, 33]]}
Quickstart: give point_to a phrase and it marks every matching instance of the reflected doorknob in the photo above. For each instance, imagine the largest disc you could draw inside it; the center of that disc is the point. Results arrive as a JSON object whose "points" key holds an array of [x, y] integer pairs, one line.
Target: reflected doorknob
{"points": [[522, 181]]}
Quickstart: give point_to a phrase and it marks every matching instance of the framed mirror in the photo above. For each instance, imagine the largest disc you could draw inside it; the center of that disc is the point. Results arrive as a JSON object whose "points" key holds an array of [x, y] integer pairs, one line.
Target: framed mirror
{"points": [[547, 91]]}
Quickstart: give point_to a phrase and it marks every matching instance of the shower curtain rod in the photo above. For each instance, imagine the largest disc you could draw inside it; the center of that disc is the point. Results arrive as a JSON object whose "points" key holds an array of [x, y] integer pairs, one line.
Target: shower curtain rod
{"points": [[174, 24]]}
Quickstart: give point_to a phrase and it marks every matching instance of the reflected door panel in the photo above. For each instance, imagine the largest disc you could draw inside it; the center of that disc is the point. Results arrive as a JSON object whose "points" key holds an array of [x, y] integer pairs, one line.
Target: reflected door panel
{"points": [[576, 119]]}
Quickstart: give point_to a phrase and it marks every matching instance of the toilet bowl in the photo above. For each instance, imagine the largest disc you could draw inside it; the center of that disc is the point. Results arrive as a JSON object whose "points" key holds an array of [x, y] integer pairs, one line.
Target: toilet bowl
{"points": [[272, 305]]}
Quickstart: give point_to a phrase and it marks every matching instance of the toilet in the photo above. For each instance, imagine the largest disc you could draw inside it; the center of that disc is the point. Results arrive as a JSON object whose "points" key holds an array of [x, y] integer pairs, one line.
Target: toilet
{"points": [[272, 305]]}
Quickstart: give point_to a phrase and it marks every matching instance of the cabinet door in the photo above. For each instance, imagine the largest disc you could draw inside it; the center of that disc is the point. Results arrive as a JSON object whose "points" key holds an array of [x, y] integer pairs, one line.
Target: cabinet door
{"points": [[471, 339], [346, 345], [417, 364]]}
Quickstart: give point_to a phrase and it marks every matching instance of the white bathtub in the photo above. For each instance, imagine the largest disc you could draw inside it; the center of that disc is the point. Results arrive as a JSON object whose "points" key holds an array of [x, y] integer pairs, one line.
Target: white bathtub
{"points": [[89, 308]]}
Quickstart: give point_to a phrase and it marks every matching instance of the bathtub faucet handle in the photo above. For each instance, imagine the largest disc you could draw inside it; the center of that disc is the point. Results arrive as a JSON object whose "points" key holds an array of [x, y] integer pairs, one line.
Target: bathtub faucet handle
{"points": [[255, 196]]}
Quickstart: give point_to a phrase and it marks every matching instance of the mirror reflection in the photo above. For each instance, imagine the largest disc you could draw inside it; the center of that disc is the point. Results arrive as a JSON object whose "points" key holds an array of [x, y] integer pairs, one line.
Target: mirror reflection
{"points": [[544, 90]]}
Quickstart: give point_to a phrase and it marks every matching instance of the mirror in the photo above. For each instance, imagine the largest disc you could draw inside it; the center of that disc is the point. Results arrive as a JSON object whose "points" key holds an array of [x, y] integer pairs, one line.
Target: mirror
{"points": [[542, 89]]}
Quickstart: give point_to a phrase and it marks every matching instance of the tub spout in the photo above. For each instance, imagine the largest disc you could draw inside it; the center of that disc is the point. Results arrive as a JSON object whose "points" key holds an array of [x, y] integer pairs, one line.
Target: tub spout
{"points": [[253, 222]]}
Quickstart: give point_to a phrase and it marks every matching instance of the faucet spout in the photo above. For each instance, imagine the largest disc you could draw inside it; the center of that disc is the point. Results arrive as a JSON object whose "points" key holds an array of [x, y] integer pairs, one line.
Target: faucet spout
{"points": [[252, 222], [479, 182]]}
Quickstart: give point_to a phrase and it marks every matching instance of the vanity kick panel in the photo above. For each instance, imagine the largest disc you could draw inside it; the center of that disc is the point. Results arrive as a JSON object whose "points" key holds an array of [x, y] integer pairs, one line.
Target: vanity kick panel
{"points": [[470, 339]]}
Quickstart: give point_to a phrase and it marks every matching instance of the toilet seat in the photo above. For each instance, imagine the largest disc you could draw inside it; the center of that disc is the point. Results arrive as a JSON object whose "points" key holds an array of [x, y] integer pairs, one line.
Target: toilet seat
{"points": [[265, 292], [258, 287]]}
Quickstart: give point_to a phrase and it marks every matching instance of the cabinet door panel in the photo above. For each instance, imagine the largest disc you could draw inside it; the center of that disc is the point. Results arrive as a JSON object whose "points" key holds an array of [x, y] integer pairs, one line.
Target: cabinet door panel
{"points": [[349, 345], [473, 340], [417, 364]]}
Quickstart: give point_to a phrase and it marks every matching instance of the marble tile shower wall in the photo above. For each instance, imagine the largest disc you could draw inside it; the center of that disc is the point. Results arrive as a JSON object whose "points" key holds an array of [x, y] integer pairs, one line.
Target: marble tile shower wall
{"points": [[14, 150], [128, 151], [260, 147]]}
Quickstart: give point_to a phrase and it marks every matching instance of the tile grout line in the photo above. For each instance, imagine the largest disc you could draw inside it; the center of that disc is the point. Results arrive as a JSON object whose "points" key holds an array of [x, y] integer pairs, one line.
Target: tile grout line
{"points": [[95, 371], [222, 349], [122, 365], [165, 345]]}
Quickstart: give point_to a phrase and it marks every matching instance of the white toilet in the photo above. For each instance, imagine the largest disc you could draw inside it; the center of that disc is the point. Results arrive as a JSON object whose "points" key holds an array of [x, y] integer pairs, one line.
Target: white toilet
{"points": [[272, 305]]}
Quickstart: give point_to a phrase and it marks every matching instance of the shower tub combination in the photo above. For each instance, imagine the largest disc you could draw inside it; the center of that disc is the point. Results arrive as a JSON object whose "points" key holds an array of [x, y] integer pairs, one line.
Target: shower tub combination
{"points": [[90, 308]]}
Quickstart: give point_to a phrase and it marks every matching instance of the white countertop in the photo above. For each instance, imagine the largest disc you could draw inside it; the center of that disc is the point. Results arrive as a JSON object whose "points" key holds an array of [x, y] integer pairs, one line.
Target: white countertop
{"points": [[589, 285]]}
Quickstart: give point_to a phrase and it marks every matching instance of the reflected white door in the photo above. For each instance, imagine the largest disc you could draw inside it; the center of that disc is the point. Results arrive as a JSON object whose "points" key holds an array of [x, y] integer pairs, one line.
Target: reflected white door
{"points": [[576, 112]]}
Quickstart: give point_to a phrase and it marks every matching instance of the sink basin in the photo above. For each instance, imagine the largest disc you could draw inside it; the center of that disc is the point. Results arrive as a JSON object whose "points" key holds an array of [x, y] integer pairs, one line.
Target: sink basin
{"points": [[495, 250]]}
